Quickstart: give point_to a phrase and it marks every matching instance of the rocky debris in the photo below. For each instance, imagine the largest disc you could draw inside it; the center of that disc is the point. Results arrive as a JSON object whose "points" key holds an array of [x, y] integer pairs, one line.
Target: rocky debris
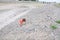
{"points": [[37, 26]]}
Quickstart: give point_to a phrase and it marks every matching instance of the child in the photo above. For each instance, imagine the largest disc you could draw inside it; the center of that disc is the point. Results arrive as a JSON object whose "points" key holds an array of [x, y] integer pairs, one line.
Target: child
{"points": [[22, 21]]}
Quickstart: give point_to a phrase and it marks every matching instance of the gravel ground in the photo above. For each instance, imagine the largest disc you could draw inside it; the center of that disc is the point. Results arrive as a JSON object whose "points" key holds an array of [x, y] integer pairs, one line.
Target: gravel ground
{"points": [[37, 26]]}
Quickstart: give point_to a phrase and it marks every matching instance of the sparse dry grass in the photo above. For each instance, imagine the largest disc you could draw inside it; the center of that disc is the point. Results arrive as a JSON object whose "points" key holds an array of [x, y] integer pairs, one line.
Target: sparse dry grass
{"points": [[57, 5], [53, 27], [58, 21]]}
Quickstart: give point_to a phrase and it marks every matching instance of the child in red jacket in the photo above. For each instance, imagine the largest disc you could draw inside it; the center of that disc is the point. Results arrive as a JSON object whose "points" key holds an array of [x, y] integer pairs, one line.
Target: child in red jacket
{"points": [[22, 21]]}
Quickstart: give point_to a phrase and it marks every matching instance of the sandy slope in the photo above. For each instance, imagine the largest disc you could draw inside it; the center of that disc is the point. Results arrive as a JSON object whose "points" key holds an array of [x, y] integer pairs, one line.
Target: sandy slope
{"points": [[37, 26]]}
